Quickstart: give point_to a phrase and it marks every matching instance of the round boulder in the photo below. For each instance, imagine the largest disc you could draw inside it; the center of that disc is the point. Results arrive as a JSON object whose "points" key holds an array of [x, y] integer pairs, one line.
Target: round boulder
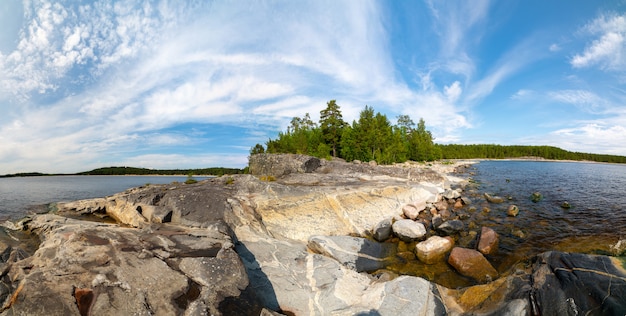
{"points": [[408, 230]]}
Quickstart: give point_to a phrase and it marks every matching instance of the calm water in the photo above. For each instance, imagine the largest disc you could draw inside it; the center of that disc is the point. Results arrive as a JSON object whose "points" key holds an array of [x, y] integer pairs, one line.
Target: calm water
{"points": [[19, 196], [595, 222]]}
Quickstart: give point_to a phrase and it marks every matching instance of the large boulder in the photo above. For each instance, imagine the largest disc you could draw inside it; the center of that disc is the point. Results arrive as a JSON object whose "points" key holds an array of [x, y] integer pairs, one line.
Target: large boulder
{"points": [[356, 253], [473, 264], [408, 230], [283, 164]]}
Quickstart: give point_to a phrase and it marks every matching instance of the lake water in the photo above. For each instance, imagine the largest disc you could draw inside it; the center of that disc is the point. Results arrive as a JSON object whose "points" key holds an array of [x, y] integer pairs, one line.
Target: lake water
{"points": [[20, 196], [595, 222]]}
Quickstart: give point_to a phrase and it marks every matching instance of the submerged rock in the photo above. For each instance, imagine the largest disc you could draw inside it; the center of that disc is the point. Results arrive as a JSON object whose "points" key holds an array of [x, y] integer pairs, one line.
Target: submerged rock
{"points": [[536, 197], [473, 264], [494, 199], [488, 243], [512, 211]]}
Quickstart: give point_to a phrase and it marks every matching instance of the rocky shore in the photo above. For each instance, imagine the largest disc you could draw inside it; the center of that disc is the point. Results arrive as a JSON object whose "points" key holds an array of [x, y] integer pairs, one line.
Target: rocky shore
{"points": [[298, 236]]}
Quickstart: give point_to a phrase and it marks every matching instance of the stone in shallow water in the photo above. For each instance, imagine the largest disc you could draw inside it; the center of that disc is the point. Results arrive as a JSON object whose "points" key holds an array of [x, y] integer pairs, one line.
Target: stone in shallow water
{"points": [[512, 211], [488, 242], [473, 264], [451, 227], [493, 198], [408, 230], [433, 249]]}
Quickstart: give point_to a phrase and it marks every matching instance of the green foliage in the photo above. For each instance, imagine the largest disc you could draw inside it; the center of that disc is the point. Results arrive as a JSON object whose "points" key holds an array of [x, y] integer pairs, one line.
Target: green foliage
{"points": [[190, 179], [257, 149], [372, 137], [331, 124], [486, 151]]}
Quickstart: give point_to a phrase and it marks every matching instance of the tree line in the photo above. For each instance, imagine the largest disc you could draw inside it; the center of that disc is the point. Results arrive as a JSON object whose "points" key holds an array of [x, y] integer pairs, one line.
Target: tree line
{"points": [[373, 137], [517, 151]]}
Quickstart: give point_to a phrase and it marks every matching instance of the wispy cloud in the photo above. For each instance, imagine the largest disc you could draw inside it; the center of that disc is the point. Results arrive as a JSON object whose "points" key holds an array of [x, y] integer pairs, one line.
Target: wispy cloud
{"points": [[608, 49]]}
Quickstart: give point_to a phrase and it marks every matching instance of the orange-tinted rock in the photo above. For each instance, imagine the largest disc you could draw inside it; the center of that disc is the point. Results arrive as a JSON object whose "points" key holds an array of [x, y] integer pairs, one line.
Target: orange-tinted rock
{"points": [[473, 264], [85, 299], [458, 204], [488, 242]]}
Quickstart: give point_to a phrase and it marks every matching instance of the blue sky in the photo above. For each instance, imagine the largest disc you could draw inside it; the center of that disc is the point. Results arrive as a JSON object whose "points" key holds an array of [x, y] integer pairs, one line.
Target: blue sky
{"points": [[188, 84]]}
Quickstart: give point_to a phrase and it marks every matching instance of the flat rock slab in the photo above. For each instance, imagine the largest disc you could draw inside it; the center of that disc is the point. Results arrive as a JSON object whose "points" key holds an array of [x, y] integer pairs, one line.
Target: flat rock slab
{"points": [[356, 253], [579, 284], [161, 269]]}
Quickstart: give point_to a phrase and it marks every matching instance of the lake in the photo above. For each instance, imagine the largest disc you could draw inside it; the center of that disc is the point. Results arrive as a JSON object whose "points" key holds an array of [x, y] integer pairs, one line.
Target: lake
{"points": [[23, 195], [595, 222], [595, 191]]}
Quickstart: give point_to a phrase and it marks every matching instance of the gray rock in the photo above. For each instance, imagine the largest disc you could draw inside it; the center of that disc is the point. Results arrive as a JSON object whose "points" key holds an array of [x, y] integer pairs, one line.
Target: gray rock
{"points": [[382, 231], [356, 253], [129, 271], [281, 165], [411, 296], [408, 230], [579, 284], [451, 194], [493, 199], [451, 227]]}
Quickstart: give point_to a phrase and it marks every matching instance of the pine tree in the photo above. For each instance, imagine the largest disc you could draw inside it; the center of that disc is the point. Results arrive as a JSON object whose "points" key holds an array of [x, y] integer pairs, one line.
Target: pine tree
{"points": [[332, 124]]}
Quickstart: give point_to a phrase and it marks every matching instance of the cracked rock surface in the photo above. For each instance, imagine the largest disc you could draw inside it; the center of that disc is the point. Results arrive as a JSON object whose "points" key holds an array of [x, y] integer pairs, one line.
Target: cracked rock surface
{"points": [[237, 245]]}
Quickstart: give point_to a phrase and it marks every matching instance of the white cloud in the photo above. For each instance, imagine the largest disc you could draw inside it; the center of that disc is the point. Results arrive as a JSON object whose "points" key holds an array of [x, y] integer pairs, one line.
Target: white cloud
{"points": [[592, 137], [584, 99], [608, 51], [116, 76]]}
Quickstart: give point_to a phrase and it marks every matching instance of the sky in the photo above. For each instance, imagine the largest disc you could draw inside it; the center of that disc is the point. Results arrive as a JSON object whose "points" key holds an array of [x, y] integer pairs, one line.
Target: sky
{"points": [[194, 84]]}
